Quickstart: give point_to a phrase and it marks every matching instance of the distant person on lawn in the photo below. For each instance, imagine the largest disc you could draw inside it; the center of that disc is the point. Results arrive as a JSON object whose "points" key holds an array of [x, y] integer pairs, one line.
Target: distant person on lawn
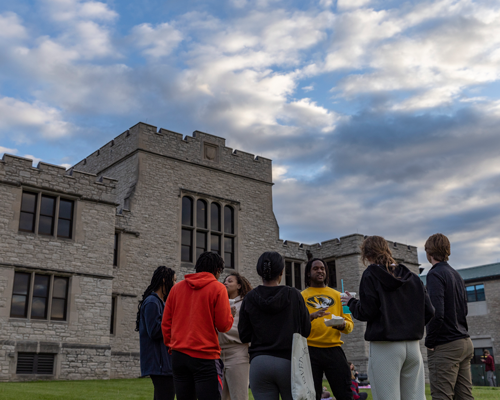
{"points": [[196, 310], [490, 367], [449, 347]]}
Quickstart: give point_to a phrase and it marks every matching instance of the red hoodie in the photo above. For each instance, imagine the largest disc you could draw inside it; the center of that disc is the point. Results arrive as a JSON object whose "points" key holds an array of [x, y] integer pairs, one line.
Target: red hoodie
{"points": [[196, 309]]}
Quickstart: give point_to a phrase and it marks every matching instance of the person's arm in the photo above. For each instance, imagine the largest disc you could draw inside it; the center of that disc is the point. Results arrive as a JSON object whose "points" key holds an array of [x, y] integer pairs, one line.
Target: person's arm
{"points": [[349, 325], [436, 289], [166, 323], [367, 308], [429, 308], [305, 321], [245, 330], [223, 319], [153, 320]]}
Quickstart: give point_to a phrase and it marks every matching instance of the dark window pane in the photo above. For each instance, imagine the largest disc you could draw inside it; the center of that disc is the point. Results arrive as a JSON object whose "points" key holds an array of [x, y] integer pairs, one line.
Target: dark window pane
{"points": [[228, 219], [60, 287], [27, 222], [187, 237], [298, 281], [113, 312], [480, 293], [215, 217], [63, 228], [45, 226], [28, 202], [288, 273], [115, 251], [47, 207], [18, 306], [228, 260], [66, 209], [215, 243], [228, 252], [332, 274], [471, 293], [199, 252], [228, 245], [201, 240], [201, 214], [187, 211], [58, 309], [21, 283], [39, 308], [186, 253], [41, 287]]}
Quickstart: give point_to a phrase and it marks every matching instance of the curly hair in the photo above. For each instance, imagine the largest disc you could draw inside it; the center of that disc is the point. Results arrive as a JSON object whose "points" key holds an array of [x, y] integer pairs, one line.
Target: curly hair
{"points": [[161, 276], [376, 250], [245, 284], [438, 247], [209, 261], [307, 272]]}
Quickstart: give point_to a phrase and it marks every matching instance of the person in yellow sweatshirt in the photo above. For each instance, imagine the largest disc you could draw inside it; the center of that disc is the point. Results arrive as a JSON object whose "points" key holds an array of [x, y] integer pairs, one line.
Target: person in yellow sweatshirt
{"points": [[325, 342]]}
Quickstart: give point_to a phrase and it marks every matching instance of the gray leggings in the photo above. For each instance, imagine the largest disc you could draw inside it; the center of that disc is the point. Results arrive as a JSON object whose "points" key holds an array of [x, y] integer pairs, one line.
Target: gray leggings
{"points": [[270, 377]]}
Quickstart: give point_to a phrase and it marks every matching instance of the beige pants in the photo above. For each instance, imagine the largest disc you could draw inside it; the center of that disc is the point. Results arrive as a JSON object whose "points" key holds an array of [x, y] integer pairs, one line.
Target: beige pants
{"points": [[396, 371], [236, 382], [449, 370]]}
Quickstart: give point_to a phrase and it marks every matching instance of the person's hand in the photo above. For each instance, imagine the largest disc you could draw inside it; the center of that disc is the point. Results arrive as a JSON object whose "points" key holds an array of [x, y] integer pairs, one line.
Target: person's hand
{"points": [[428, 348], [319, 313], [345, 299], [233, 311], [340, 327]]}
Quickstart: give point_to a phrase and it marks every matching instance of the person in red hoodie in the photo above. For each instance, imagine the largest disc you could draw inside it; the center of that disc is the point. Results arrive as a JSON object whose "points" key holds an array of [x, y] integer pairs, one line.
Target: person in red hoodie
{"points": [[490, 367], [196, 310]]}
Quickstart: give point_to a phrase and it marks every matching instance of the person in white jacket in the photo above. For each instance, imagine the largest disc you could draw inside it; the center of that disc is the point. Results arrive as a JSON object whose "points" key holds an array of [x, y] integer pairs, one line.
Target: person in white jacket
{"points": [[234, 354]]}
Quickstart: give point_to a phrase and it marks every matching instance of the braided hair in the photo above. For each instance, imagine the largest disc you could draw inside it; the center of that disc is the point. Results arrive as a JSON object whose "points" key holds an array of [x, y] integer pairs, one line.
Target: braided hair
{"points": [[245, 284], [270, 265], [209, 262], [161, 276], [307, 272]]}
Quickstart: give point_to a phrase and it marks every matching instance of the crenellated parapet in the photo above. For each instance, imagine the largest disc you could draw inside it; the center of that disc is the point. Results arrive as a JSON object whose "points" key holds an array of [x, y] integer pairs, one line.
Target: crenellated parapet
{"points": [[202, 148], [19, 171]]}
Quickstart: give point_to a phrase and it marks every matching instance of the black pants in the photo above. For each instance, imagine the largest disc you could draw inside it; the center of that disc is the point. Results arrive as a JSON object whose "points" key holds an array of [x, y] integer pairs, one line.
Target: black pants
{"points": [[332, 362], [197, 378], [164, 387]]}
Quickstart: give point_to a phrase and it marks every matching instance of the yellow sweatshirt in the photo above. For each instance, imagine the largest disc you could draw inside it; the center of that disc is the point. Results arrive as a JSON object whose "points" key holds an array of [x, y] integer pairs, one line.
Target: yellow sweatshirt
{"points": [[322, 335]]}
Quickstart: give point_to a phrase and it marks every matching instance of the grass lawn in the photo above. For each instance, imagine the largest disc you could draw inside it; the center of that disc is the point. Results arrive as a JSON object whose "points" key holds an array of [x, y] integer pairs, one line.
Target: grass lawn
{"points": [[139, 389]]}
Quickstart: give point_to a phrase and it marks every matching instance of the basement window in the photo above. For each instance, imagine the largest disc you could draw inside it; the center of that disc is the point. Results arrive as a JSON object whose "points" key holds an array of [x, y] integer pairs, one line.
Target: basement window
{"points": [[35, 363]]}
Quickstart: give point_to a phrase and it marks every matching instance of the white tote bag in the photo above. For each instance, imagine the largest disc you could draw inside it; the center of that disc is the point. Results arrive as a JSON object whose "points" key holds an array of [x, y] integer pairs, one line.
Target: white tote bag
{"points": [[302, 378]]}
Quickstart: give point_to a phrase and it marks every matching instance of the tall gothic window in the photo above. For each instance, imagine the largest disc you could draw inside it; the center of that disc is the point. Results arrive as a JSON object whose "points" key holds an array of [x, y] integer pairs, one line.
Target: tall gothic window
{"points": [[208, 225]]}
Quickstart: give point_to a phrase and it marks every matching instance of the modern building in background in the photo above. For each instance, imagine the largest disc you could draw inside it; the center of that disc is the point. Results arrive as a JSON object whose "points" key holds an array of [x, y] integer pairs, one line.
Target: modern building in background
{"points": [[482, 284], [78, 247]]}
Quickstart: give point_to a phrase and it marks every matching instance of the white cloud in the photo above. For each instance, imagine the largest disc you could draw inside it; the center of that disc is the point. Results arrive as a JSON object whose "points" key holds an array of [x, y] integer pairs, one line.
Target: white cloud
{"points": [[4, 150], [11, 27], [69, 10], [157, 41], [343, 5], [36, 160], [21, 121]]}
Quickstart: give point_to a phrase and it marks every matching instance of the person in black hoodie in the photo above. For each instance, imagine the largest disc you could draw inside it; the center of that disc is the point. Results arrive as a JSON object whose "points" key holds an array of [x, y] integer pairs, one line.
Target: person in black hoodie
{"points": [[269, 316], [394, 302]]}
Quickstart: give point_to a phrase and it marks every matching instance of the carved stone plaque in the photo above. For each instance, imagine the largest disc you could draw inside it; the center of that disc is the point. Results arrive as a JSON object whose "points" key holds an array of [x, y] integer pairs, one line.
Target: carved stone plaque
{"points": [[210, 152]]}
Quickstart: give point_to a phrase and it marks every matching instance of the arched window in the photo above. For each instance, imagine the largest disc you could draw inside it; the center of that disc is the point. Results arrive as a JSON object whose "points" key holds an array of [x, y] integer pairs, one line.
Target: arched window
{"points": [[201, 214], [215, 217], [187, 233], [228, 219], [187, 211]]}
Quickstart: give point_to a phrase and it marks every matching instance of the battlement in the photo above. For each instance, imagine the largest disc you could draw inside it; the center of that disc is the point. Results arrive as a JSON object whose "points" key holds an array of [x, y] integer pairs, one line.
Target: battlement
{"points": [[202, 148], [19, 171]]}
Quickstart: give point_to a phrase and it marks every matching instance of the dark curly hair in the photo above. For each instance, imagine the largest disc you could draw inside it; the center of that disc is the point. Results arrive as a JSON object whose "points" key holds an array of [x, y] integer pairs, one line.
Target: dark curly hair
{"points": [[245, 284], [209, 262], [307, 272], [162, 275], [270, 265]]}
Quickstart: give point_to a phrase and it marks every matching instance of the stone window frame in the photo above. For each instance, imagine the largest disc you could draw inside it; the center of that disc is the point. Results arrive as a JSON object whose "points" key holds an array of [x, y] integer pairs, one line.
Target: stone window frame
{"points": [[50, 296], [223, 203], [475, 291], [58, 198], [291, 265], [327, 261]]}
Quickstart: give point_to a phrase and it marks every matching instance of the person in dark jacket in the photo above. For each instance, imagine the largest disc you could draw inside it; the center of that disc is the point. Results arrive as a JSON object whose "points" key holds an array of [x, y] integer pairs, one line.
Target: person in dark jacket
{"points": [[449, 347], [269, 316], [394, 302], [155, 360]]}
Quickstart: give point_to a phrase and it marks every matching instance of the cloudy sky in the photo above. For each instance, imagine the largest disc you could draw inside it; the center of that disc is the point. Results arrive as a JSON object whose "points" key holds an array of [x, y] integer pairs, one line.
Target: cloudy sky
{"points": [[381, 117]]}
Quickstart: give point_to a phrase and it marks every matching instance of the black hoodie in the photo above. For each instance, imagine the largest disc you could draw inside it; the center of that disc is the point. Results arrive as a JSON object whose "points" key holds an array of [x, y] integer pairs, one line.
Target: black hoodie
{"points": [[269, 316], [395, 307]]}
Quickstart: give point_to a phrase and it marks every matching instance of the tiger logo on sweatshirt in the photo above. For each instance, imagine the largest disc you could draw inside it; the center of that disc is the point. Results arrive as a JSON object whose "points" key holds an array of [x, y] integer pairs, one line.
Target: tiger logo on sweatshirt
{"points": [[320, 301]]}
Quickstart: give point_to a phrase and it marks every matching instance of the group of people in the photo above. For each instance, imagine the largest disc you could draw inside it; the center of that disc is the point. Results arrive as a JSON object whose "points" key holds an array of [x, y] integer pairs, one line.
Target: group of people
{"points": [[203, 339]]}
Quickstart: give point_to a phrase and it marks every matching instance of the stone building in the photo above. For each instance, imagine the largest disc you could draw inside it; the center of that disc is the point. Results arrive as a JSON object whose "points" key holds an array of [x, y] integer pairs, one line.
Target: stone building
{"points": [[79, 247]]}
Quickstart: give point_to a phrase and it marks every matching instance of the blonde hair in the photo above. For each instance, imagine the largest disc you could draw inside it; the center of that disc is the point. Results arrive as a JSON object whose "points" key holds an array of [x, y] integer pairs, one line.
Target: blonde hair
{"points": [[376, 250]]}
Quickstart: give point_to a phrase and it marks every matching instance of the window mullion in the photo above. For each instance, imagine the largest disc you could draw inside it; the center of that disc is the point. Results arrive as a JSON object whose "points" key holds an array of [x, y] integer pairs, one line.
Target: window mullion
{"points": [[30, 295], [37, 212], [49, 300], [195, 222], [56, 215]]}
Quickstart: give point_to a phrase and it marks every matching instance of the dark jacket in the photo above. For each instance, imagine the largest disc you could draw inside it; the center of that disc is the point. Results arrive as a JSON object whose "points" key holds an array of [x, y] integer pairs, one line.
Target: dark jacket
{"points": [[155, 359], [447, 292], [269, 316], [395, 307]]}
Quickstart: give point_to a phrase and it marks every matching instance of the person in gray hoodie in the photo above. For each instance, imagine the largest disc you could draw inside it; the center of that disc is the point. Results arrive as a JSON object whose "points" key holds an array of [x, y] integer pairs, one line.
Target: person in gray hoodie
{"points": [[269, 316], [394, 302]]}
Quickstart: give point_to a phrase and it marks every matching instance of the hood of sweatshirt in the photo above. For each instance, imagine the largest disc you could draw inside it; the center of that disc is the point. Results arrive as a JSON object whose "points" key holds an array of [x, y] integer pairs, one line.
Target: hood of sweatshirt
{"points": [[199, 280], [270, 299], [389, 281]]}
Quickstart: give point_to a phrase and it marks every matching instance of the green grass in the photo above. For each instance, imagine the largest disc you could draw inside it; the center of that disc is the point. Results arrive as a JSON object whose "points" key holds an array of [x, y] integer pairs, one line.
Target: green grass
{"points": [[137, 389]]}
